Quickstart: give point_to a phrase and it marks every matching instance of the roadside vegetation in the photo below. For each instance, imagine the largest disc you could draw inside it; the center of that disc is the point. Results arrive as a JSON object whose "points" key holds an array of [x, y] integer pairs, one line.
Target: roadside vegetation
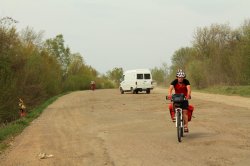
{"points": [[228, 90], [10, 130], [35, 70]]}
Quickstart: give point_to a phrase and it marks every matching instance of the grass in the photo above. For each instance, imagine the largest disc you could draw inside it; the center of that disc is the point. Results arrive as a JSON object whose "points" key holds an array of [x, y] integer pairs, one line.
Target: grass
{"points": [[10, 130], [228, 90]]}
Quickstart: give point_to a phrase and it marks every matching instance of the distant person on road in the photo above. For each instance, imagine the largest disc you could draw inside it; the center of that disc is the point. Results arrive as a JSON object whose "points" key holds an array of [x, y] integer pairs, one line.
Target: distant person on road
{"points": [[92, 85], [181, 85]]}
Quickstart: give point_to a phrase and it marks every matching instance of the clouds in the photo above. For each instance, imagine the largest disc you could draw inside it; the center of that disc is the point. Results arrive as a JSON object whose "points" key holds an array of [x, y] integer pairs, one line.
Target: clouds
{"points": [[124, 33]]}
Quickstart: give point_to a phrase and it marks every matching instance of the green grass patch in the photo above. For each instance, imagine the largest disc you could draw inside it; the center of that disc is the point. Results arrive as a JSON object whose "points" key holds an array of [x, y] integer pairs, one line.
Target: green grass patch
{"points": [[12, 129], [228, 90]]}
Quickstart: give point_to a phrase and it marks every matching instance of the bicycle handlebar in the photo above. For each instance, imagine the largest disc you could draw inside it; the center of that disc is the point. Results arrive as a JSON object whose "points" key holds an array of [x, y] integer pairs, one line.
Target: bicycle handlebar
{"points": [[184, 98]]}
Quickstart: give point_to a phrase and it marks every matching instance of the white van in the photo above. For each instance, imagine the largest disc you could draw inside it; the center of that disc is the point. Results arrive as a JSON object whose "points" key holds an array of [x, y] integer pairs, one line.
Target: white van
{"points": [[137, 80]]}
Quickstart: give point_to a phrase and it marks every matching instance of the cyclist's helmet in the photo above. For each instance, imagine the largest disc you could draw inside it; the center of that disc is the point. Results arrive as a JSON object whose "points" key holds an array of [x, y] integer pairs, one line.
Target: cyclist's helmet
{"points": [[180, 73]]}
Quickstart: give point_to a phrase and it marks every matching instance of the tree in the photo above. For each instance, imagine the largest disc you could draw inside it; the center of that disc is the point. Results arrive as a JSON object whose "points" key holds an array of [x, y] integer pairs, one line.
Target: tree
{"points": [[182, 57], [76, 65], [56, 48], [115, 75], [160, 74], [244, 52]]}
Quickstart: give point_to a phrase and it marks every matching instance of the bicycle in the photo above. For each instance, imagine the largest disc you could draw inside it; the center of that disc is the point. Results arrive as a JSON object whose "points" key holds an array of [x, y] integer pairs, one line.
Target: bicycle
{"points": [[177, 100]]}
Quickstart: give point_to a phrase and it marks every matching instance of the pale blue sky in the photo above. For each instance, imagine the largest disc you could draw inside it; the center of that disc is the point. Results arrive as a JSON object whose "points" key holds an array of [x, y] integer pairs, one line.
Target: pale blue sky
{"points": [[124, 33]]}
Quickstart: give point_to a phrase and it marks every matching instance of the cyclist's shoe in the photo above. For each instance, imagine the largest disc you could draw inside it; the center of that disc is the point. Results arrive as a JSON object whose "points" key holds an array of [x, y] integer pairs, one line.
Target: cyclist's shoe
{"points": [[173, 119], [186, 130]]}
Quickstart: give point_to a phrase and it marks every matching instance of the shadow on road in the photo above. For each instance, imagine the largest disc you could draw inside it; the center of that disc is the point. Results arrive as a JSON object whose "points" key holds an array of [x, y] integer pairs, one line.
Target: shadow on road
{"points": [[197, 135]]}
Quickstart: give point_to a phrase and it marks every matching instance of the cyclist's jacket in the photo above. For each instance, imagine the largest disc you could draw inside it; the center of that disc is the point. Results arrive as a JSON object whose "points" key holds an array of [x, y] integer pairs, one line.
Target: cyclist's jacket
{"points": [[180, 87]]}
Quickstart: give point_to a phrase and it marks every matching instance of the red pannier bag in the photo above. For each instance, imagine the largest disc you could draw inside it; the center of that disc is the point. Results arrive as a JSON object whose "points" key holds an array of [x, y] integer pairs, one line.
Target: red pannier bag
{"points": [[190, 111]]}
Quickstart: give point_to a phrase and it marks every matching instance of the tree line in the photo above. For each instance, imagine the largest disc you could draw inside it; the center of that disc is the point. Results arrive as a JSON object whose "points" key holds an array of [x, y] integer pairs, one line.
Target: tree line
{"points": [[34, 69], [219, 55]]}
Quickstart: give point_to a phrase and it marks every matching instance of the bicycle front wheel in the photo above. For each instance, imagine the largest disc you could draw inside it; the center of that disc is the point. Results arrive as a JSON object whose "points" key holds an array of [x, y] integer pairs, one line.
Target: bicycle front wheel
{"points": [[179, 128]]}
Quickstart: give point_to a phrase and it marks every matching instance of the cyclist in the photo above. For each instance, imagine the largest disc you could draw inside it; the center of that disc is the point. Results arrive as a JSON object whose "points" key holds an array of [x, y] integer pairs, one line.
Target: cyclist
{"points": [[92, 85], [180, 85]]}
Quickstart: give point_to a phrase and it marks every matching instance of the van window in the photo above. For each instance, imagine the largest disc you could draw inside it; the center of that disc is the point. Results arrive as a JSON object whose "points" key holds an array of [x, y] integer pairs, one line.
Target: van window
{"points": [[139, 76], [147, 76]]}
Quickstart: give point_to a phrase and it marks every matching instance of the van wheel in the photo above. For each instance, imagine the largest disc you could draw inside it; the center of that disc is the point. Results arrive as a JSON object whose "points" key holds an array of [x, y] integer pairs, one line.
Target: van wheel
{"points": [[122, 91], [132, 90], [148, 91]]}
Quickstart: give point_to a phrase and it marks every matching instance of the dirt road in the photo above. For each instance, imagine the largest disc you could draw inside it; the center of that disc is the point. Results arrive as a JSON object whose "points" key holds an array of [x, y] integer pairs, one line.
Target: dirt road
{"points": [[106, 128]]}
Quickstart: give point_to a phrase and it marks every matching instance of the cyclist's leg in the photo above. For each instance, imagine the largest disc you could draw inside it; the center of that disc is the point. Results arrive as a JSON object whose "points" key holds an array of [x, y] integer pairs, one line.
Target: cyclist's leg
{"points": [[185, 115], [171, 111]]}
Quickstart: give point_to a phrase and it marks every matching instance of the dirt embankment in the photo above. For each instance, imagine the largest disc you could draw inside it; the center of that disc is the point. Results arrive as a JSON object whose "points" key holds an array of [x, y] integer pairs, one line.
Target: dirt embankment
{"points": [[104, 127]]}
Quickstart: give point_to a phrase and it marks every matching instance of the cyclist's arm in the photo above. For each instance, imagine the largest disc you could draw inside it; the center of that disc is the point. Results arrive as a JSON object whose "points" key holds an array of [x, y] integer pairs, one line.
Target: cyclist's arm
{"points": [[188, 90], [170, 89]]}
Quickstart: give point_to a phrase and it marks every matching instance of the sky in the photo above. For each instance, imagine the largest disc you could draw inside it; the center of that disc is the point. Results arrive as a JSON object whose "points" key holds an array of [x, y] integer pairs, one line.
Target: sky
{"points": [[128, 34]]}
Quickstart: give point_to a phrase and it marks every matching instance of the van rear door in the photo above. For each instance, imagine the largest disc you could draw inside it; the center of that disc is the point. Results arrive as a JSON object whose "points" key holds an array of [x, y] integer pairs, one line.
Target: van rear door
{"points": [[143, 80], [147, 80]]}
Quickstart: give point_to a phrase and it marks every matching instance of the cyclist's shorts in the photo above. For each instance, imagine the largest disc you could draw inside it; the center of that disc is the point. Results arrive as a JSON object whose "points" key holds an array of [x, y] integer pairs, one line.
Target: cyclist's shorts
{"points": [[185, 104]]}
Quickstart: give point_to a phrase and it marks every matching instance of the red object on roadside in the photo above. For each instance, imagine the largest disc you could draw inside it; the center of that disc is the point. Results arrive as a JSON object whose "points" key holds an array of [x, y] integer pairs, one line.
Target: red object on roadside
{"points": [[22, 108], [22, 113]]}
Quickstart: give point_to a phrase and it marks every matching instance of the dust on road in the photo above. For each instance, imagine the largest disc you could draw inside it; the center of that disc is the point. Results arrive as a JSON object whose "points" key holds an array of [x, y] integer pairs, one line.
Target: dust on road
{"points": [[106, 128]]}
